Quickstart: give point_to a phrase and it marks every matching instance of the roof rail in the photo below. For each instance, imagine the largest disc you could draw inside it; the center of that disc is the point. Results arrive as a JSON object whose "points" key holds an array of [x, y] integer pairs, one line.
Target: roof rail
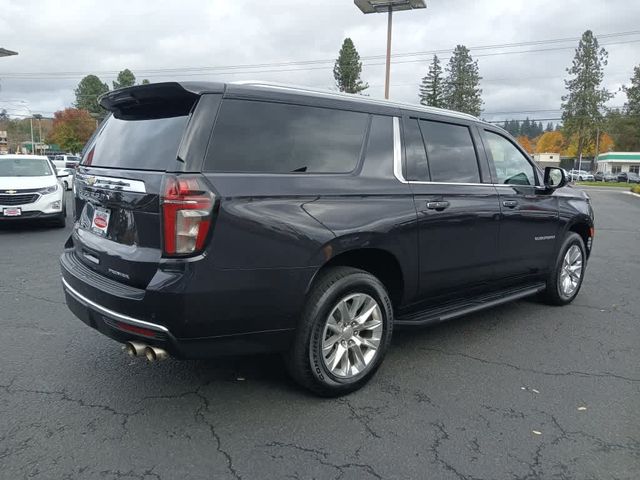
{"points": [[351, 97]]}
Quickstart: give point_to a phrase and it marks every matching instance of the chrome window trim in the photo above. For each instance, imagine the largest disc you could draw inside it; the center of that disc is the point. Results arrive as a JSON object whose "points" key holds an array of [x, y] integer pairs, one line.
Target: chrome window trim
{"points": [[110, 313], [112, 183], [397, 151], [397, 163]]}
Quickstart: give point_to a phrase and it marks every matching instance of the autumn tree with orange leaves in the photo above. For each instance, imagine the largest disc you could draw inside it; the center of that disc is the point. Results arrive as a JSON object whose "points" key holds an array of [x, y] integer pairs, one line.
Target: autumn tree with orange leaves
{"points": [[525, 143], [72, 127], [589, 147], [550, 142]]}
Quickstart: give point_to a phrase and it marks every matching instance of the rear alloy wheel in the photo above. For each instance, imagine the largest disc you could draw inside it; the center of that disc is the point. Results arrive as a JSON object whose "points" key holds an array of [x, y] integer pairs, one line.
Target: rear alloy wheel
{"points": [[344, 332], [565, 280], [351, 336]]}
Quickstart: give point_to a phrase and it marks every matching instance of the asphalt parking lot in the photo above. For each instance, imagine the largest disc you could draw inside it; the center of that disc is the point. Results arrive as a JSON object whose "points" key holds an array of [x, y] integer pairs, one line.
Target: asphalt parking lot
{"points": [[524, 391]]}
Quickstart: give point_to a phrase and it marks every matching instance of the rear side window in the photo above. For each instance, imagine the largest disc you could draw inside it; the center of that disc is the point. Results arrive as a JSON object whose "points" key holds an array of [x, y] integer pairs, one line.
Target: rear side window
{"points": [[137, 144], [417, 168], [262, 137], [450, 152]]}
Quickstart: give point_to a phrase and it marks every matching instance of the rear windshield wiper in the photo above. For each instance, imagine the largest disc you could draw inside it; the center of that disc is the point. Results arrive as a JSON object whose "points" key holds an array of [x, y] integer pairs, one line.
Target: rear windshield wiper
{"points": [[301, 169]]}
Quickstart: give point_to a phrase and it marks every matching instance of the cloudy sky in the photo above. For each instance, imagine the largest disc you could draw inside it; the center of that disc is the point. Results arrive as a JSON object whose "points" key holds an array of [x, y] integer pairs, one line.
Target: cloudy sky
{"points": [[61, 41]]}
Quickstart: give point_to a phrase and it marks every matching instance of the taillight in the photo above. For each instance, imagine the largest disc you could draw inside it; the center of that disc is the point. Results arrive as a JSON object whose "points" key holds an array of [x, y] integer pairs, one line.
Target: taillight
{"points": [[187, 206]]}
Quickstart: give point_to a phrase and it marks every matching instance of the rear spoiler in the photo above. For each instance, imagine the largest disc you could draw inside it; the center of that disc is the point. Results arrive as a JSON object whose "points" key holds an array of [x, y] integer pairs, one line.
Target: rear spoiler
{"points": [[156, 100]]}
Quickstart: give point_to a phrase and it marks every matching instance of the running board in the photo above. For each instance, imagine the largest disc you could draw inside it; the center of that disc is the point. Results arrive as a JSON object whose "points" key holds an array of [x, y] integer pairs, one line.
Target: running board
{"points": [[464, 307]]}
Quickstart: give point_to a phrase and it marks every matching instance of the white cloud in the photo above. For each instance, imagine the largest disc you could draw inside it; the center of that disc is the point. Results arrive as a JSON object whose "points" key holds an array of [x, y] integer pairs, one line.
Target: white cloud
{"points": [[90, 36]]}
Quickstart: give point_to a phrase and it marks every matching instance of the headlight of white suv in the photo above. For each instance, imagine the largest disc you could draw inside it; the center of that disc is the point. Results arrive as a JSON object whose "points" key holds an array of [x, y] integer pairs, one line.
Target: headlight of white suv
{"points": [[48, 190]]}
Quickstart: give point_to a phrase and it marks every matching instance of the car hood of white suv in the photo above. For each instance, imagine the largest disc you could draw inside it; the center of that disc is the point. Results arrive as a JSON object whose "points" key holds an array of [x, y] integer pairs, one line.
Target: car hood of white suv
{"points": [[23, 183]]}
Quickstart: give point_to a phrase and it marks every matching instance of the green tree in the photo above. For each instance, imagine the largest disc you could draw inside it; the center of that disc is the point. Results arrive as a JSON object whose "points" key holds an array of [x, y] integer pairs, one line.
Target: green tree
{"points": [[549, 127], [462, 90], [432, 86], [583, 105], [632, 107], [125, 78], [624, 130], [347, 69], [87, 93], [146, 81]]}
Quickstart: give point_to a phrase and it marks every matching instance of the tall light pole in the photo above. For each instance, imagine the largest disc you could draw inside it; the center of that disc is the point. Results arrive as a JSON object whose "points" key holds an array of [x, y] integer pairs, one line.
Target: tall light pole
{"points": [[388, 6]]}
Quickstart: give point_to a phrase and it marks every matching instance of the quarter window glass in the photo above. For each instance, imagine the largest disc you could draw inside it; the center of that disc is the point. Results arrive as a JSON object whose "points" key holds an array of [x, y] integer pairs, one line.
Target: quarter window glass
{"points": [[511, 165], [416, 156], [450, 152], [262, 137]]}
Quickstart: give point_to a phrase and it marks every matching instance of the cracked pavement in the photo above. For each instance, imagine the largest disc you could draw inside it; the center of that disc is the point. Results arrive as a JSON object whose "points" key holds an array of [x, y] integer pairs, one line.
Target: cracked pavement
{"points": [[523, 391]]}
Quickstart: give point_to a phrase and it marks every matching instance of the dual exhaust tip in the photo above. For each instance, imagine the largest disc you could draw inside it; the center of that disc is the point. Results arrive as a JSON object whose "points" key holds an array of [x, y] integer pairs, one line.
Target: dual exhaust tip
{"points": [[152, 354]]}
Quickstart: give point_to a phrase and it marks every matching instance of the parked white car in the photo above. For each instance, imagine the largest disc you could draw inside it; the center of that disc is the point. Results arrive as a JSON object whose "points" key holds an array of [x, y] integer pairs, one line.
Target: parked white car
{"points": [[30, 188], [65, 161], [581, 176]]}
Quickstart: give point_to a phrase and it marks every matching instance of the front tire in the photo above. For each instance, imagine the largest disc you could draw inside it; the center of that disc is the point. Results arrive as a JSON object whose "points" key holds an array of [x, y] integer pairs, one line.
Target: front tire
{"points": [[565, 279], [343, 334]]}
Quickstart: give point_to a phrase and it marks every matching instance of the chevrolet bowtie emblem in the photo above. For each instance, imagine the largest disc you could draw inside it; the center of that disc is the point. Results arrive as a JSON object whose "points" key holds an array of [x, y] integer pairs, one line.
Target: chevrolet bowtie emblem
{"points": [[10, 192]]}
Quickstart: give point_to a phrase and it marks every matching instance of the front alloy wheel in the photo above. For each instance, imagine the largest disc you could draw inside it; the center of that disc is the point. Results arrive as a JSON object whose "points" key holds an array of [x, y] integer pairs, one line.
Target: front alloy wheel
{"points": [[351, 336], [571, 271]]}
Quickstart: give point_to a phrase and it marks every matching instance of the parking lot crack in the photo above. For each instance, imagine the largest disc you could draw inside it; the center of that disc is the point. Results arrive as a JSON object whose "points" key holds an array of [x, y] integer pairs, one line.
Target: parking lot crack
{"points": [[531, 370], [362, 415], [322, 457], [441, 436], [200, 415]]}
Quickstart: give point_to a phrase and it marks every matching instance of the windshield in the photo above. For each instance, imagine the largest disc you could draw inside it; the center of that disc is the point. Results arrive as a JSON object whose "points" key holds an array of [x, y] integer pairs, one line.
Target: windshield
{"points": [[24, 167]]}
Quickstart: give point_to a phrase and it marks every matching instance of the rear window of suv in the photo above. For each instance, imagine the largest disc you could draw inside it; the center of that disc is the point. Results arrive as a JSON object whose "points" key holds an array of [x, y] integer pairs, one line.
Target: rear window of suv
{"points": [[262, 137], [147, 144]]}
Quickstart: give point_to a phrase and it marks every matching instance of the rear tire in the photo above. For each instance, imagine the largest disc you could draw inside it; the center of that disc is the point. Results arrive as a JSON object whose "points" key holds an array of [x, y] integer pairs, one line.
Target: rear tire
{"points": [[344, 332], [565, 279]]}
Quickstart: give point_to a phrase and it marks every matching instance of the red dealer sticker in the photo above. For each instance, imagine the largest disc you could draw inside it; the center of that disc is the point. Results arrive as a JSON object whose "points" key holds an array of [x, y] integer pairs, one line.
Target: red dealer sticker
{"points": [[100, 222]]}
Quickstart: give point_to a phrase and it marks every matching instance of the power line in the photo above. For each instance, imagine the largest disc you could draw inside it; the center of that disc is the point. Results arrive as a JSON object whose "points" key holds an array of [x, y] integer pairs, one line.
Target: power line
{"points": [[251, 68]]}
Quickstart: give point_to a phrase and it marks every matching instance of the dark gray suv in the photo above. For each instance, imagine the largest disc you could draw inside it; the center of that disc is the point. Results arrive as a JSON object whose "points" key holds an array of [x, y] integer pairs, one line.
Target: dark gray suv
{"points": [[216, 218]]}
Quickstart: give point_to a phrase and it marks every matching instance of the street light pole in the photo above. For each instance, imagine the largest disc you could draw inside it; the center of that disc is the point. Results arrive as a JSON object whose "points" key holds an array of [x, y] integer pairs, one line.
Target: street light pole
{"points": [[32, 144], [387, 73], [379, 6]]}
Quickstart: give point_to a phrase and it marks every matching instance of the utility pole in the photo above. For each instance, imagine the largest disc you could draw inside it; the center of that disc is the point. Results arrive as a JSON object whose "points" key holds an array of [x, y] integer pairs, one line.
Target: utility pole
{"points": [[387, 73]]}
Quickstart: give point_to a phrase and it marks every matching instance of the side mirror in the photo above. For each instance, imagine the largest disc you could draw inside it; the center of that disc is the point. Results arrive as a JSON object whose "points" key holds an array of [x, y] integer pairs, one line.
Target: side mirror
{"points": [[62, 174], [554, 177]]}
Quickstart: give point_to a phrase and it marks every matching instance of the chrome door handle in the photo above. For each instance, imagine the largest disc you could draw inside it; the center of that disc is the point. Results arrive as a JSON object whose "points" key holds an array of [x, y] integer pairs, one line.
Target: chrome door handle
{"points": [[439, 205], [510, 203]]}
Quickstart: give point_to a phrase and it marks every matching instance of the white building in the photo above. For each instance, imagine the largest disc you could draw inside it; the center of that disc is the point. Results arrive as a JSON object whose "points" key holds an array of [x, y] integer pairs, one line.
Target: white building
{"points": [[616, 162], [547, 159]]}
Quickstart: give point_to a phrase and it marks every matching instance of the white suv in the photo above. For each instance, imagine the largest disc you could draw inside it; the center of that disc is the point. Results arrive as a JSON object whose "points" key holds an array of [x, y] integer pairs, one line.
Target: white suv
{"points": [[581, 176], [30, 188]]}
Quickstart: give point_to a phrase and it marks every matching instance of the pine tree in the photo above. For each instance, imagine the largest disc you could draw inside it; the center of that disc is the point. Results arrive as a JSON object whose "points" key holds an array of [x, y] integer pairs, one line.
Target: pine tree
{"points": [[462, 90], [526, 128], [585, 99], [347, 69], [87, 93], [632, 107], [432, 87], [549, 127], [126, 78]]}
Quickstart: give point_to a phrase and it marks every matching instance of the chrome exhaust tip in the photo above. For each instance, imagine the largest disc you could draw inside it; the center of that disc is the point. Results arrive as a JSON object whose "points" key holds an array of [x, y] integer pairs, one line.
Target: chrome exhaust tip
{"points": [[134, 349], [155, 354]]}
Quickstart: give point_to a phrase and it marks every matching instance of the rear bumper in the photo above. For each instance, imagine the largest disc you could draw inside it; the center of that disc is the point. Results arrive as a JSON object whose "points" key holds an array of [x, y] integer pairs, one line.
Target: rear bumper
{"points": [[116, 326], [172, 314]]}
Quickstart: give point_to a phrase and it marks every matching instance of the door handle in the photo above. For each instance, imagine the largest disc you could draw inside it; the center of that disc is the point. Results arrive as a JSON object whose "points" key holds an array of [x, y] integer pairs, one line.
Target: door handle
{"points": [[510, 203], [439, 205]]}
